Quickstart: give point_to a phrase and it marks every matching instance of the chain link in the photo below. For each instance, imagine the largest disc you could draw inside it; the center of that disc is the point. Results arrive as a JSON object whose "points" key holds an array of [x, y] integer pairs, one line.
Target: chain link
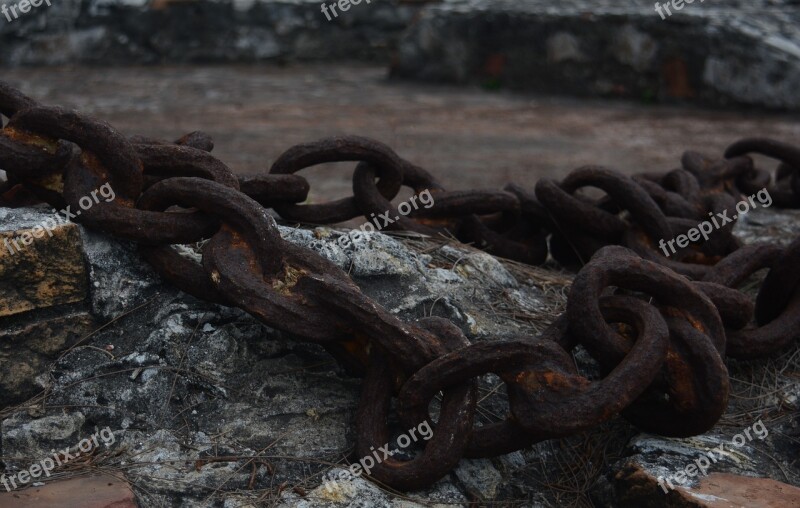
{"points": [[659, 337]]}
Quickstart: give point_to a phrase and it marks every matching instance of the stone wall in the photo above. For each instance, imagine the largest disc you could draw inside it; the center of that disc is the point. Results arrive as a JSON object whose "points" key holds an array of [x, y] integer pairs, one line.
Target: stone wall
{"points": [[712, 53], [115, 32], [719, 53]]}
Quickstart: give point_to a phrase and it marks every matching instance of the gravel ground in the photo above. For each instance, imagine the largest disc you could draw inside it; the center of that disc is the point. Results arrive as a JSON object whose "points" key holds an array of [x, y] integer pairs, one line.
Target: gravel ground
{"points": [[469, 137]]}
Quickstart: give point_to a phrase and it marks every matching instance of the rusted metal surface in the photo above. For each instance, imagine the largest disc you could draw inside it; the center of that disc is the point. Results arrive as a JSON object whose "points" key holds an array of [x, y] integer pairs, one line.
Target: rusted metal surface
{"points": [[784, 190], [658, 327], [695, 335], [446, 447], [351, 148]]}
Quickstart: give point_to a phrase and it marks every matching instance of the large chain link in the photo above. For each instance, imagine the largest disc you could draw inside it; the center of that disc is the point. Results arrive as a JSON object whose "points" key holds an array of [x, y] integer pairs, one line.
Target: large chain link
{"points": [[659, 337]]}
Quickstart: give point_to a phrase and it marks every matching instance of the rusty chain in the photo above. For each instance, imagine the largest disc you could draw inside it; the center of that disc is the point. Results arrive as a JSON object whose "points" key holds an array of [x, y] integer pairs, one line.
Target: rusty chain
{"points": [[658, 327]]}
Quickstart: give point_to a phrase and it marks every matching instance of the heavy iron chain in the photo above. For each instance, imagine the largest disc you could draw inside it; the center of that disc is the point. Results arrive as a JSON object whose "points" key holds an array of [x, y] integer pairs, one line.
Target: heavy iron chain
{"points": [[659, 337]]}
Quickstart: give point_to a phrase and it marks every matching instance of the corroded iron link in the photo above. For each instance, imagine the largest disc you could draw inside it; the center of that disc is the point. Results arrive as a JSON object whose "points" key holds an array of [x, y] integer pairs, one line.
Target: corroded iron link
{"points": [[785, 191], [341, 149], [446, 447], [659, 340]]}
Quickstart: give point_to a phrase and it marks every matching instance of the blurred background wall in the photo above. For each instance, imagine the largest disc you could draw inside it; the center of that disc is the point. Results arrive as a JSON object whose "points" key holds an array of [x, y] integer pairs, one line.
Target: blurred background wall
{"points": [[717, 53]]}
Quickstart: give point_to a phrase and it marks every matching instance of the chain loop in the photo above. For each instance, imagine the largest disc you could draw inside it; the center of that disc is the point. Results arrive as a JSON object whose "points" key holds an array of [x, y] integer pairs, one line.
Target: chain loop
{"points": [[659, 339]]}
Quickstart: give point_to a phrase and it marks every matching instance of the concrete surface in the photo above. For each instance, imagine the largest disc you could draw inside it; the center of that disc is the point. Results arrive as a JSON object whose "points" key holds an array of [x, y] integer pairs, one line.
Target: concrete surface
{"points": [[469, 137]]}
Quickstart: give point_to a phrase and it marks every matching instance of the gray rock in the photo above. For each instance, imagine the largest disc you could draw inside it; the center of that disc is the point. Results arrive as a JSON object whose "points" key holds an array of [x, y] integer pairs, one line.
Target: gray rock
{"points": [[480, 479], [25, 437], [118, 275]]}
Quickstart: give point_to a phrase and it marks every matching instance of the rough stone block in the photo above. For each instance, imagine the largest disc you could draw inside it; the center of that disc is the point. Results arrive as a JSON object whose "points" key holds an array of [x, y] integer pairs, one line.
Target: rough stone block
{"points": [[27, 350], [41, 262]]}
